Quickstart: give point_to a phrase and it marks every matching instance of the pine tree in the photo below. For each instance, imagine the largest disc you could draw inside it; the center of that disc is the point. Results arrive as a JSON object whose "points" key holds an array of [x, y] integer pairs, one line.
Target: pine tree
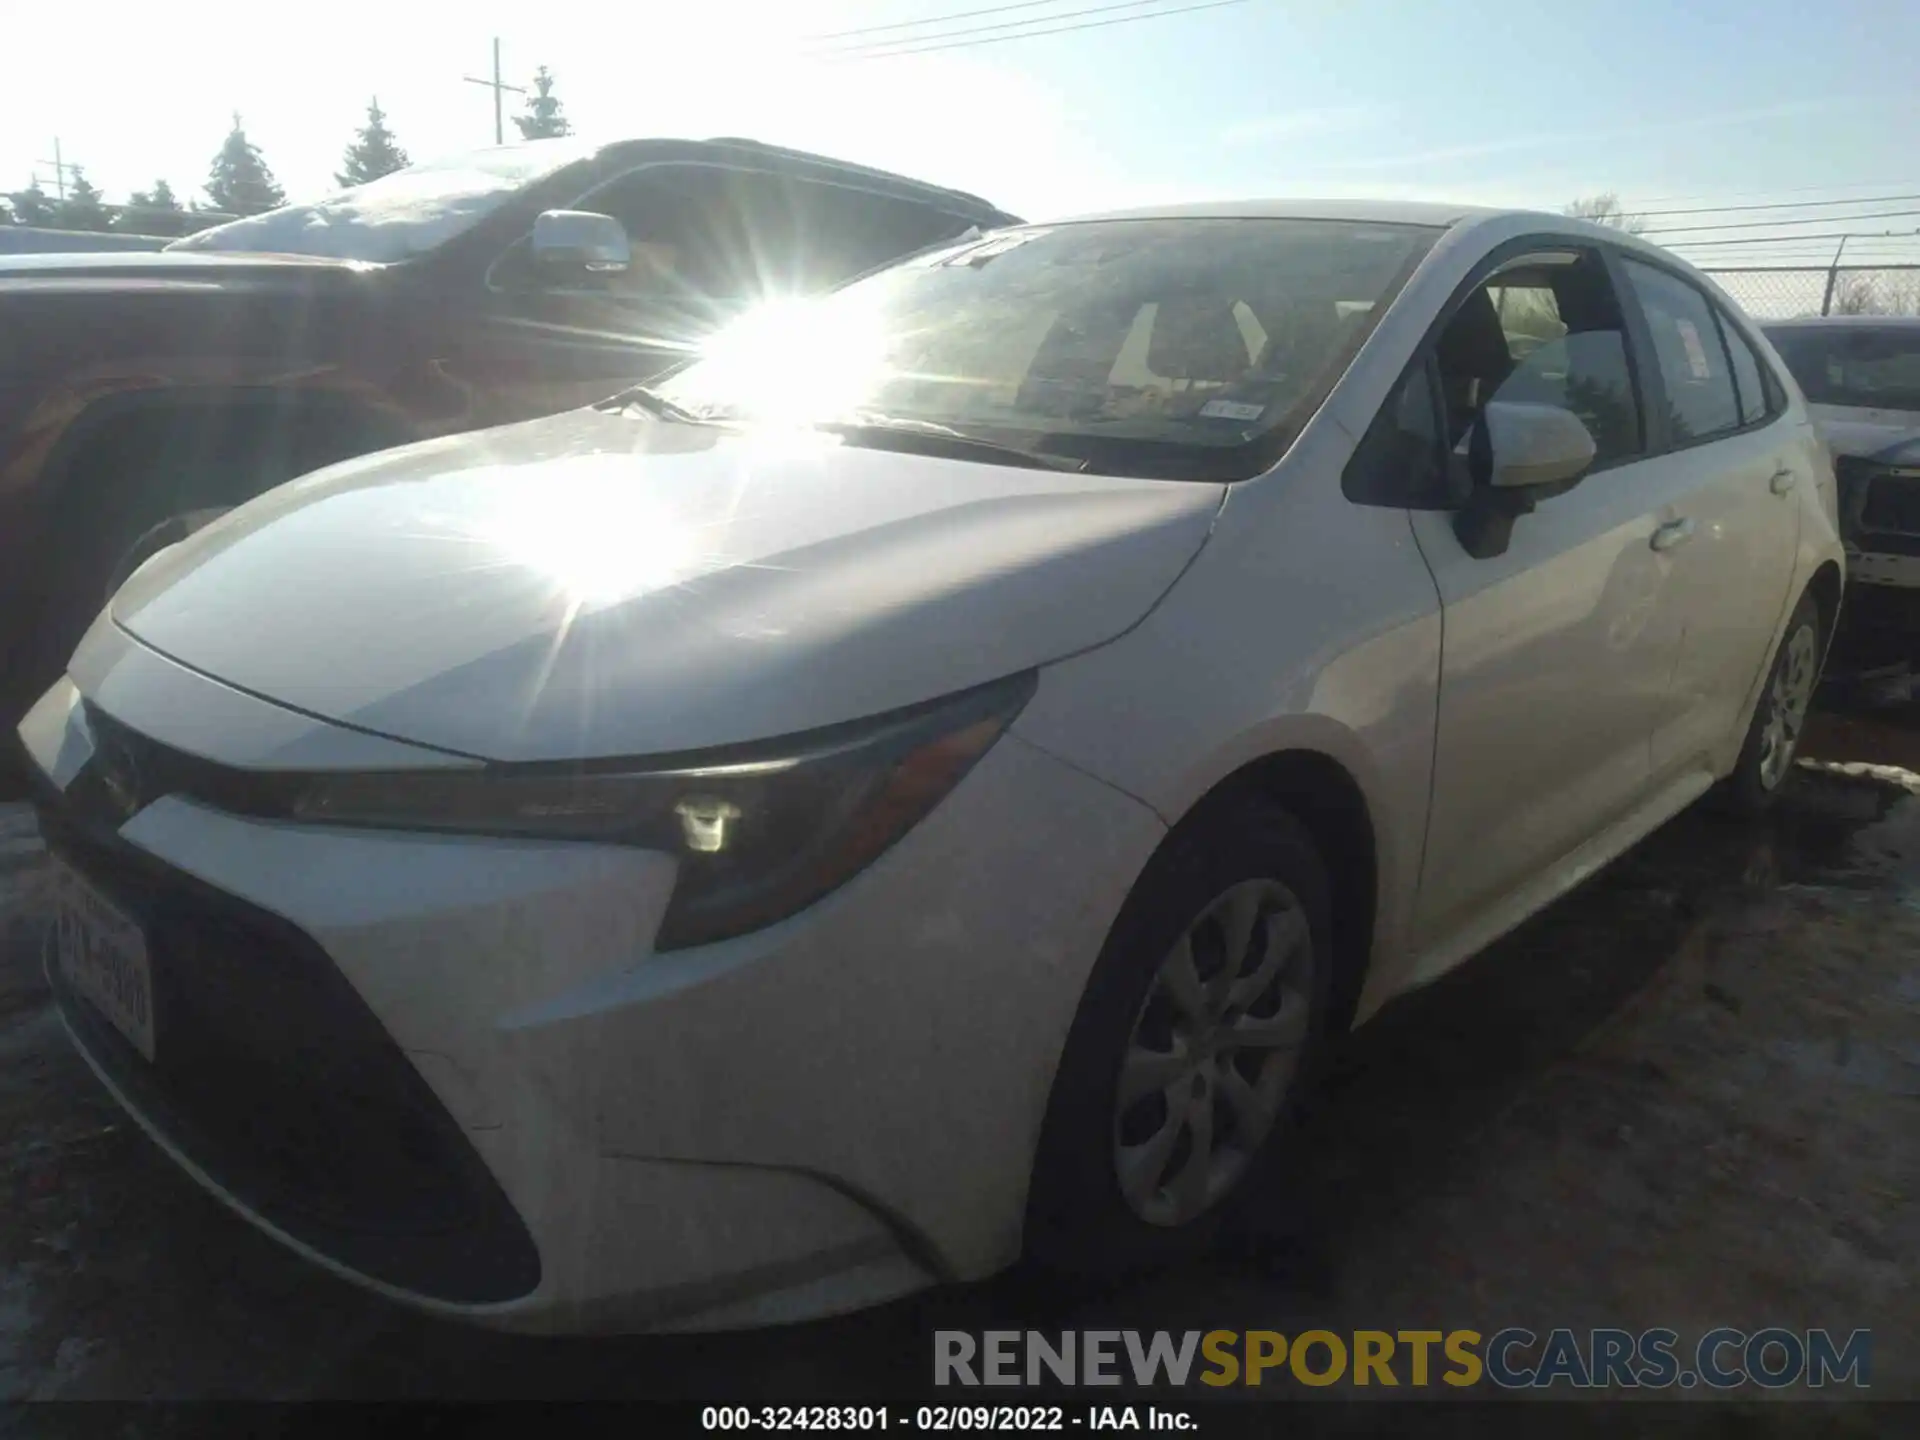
{"points": [[543, 119], [240, 182], [153, 212], [82, 208], [31, 206], [374, 153]]}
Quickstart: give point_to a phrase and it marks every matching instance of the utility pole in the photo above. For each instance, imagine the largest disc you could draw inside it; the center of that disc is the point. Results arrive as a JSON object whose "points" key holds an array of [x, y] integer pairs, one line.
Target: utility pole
{"points": [[60, 168], [1833, 275], [499, 87]]}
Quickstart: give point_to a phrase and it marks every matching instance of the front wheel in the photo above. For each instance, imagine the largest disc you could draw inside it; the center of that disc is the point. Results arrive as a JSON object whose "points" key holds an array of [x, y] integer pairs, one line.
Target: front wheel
{"points": [[1198, 1031], [1773, 737]]}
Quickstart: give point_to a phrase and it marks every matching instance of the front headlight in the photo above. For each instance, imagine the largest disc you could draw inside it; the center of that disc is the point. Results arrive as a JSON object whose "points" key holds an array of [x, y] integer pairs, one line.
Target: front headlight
{"points": [[760, 832]]}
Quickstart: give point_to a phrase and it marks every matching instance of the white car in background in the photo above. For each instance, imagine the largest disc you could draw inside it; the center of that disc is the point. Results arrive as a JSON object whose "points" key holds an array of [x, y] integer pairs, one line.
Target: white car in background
{"points": [[1861, 377], [927, 780]]}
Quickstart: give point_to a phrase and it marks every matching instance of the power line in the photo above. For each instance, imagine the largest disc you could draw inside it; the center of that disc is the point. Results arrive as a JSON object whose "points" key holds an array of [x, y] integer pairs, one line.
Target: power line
{"points": [[1799, 242], [1821, 261], [1870, 237], [954, 40], [1771, 224], [910, 44], [1899, 240], [1788, 239], [1722, 195], [999, 25], [1881, 242], [937, 20], [1814, 273], [1776, 205], [1805, 264]]}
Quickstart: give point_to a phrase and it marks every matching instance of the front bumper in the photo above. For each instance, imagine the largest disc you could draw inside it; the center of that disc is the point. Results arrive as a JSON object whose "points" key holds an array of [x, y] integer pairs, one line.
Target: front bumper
{"points": [[451, 1070], [1880, 522], [1880, 525], [277, 1079]]}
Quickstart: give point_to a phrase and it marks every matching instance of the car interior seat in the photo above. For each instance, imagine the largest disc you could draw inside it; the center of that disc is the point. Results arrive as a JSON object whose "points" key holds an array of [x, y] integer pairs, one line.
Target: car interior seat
{"points": [[1197, 343], [1475, 361]]}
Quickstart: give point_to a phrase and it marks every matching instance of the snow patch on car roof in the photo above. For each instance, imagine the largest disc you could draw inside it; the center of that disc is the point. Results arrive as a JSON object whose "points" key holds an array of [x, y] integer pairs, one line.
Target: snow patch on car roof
{"points": [[398, 216]]}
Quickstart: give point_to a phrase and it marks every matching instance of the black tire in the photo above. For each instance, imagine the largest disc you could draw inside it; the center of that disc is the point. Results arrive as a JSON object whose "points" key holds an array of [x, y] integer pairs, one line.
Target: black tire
{"points": [[1078, 1220], [1755, 783]]}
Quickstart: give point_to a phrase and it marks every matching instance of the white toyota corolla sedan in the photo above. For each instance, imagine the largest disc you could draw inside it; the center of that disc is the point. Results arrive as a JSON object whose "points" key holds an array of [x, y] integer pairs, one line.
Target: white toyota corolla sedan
{"points": [[926, 780]]}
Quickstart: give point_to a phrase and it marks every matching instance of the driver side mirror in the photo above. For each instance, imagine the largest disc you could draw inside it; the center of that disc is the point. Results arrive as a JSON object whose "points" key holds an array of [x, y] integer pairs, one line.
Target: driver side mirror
{"points": [[1520, 454], [575, 240]]}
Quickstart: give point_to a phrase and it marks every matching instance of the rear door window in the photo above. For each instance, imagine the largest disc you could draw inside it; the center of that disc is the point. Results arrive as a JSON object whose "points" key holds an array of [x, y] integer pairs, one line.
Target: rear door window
{"points": [[1702, 400], [1755, 398]]}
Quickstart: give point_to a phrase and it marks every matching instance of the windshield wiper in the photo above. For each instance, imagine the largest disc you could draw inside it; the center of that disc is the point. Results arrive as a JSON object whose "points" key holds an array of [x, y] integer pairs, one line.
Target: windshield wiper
{"points": [[654, 403], [877, 432], [925, 437]]}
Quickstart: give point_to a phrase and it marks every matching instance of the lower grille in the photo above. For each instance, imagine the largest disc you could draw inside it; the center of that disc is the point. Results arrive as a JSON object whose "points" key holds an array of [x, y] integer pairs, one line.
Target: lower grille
{"points": [[1892, 506], [275, 1079]]}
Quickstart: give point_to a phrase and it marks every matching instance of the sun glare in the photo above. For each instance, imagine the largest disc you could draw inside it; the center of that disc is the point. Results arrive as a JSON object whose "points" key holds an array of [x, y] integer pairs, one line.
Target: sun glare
{"points": [[796, 361], [604, 538]]}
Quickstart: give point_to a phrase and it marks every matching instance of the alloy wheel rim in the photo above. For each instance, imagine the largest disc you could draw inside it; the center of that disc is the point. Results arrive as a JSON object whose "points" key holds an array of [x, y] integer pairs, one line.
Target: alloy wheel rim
{"points": [[1213, 1052], [1789, 697]]}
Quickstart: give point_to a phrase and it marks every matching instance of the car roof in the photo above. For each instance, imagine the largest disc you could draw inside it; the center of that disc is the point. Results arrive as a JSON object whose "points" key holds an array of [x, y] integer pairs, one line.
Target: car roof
{"points": [[1850, 322], [956, 202], [1378, 212]]}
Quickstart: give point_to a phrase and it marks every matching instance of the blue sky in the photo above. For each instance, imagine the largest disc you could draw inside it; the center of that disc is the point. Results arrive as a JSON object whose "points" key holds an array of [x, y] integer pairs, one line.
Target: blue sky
{"points": [[1509, 102]]}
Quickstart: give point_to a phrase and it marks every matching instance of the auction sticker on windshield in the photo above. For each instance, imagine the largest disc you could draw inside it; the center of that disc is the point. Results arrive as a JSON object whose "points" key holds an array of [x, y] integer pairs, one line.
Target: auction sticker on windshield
{"points": [[103, 956]]}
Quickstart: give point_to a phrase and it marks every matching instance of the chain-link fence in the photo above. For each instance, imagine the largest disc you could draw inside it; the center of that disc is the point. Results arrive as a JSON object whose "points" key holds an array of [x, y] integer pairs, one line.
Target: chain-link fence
{"points": [[1780, 293]]}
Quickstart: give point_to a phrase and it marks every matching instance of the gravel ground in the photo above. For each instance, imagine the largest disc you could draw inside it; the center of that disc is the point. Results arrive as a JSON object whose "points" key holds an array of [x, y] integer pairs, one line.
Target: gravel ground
{"points": [[1684, 1096]]}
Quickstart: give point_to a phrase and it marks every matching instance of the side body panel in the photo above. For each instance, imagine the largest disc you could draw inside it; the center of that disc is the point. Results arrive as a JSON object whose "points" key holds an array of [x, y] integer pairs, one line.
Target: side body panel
{"points": [[1307, 623], [1731, 585], [1555, 669]]}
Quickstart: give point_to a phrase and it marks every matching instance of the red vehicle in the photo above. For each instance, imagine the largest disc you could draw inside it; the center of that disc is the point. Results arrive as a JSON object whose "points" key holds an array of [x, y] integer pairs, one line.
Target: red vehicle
{"points": [[142, 393]]}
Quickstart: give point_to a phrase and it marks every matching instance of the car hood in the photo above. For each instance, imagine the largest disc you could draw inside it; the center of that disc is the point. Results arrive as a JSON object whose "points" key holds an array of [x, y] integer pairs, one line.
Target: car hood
{"points": [[1903, 454], [596, 584], [1850, 431], [165, 264]]}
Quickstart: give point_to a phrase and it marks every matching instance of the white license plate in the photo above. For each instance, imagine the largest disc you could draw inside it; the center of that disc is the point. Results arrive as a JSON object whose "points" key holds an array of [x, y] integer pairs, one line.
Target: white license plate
{"points": [[103, 955]]}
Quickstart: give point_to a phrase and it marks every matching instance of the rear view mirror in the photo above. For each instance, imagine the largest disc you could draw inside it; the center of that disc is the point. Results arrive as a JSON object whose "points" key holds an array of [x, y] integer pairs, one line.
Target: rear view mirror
{"points": [[1521, 453], [1532, 446], [566, 240]]}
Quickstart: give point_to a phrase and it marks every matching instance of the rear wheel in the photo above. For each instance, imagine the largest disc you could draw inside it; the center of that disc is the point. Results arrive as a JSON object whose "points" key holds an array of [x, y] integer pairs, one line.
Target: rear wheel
{"points": [[1773, 737], [1200, 1027]]}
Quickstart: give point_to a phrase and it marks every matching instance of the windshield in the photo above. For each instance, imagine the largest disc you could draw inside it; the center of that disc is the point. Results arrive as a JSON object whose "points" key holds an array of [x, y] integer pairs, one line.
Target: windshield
{"points": [[397, 216], [1865, 368], [1169, 347]]}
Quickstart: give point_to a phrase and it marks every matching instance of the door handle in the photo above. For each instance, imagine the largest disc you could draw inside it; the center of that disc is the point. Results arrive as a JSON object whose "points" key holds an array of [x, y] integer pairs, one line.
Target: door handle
{"points": [[1782, 482], [1672, 535]]}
